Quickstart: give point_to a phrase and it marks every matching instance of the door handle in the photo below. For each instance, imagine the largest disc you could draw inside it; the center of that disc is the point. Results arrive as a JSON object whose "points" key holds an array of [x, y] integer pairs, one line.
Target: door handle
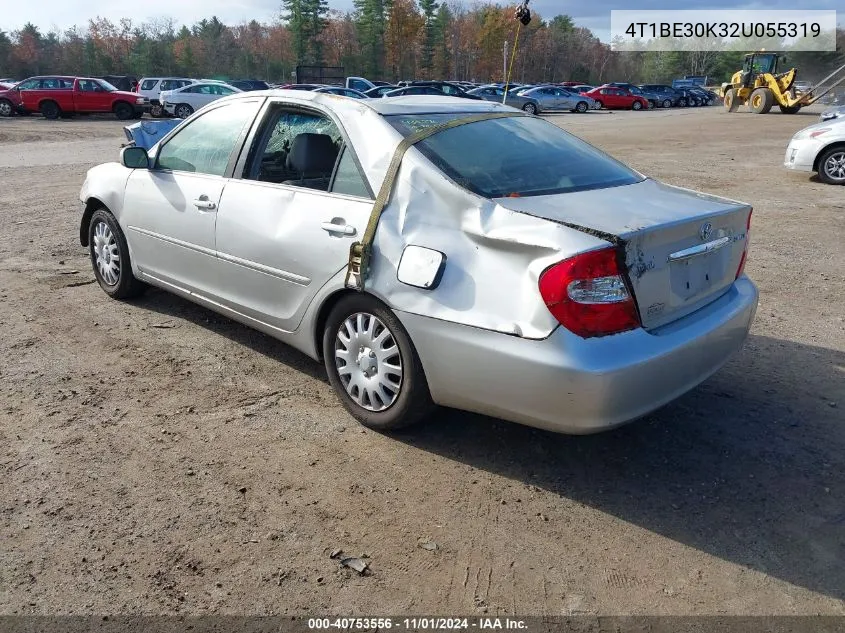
{"points": [[343, 229], [205, 204]]}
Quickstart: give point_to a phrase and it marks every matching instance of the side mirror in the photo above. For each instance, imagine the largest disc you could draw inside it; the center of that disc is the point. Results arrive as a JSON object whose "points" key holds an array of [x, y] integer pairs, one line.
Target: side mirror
{"points": [[135, 158]]}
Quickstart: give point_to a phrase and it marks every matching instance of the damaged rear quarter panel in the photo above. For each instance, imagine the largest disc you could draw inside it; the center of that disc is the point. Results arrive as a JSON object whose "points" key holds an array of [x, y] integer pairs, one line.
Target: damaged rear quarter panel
{"points": [[494, 255]]}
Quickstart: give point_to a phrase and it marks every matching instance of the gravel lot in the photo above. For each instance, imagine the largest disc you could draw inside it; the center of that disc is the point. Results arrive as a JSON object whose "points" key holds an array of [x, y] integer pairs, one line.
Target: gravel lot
{"points": [[158, 458]]}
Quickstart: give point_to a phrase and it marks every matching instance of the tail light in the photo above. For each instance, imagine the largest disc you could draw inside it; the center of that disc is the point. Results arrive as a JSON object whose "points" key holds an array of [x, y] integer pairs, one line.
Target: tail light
{"points": [[588, 295], [741, 268]]}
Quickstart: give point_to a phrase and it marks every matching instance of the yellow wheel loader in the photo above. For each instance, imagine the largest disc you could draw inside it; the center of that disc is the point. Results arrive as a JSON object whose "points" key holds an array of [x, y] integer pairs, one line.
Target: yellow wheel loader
{"points": [[759, 86]]}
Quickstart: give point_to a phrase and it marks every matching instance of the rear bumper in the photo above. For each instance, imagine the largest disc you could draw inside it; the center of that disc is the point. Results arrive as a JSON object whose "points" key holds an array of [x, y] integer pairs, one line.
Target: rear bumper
{"points": [[572, 385]]}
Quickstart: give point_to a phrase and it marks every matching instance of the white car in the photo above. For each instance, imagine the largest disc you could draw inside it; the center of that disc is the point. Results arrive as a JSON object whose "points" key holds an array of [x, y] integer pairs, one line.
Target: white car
{"points": [[183, 102], [151, 88], [819, 148], [836, 112]]}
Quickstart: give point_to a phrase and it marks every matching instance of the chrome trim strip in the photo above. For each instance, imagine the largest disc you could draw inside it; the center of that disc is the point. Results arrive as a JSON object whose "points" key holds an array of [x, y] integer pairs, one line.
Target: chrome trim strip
{"points": [[172, 240], [267, 270], [701, 249]]}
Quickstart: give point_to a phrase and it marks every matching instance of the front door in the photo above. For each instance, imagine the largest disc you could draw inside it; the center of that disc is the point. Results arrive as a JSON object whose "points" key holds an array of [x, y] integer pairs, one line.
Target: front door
{"points": [[90, 96], [284, 229], [170, 210]]}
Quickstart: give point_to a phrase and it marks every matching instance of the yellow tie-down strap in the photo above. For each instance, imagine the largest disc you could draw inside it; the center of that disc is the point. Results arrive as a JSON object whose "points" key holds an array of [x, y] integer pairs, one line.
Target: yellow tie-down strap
{"points": [[359, 252]]}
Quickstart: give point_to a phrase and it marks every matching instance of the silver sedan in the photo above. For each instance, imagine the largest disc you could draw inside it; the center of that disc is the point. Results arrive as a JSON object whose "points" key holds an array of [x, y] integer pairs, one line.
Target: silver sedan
{"points": [[495, 94], [557, 98], [432, 251]]}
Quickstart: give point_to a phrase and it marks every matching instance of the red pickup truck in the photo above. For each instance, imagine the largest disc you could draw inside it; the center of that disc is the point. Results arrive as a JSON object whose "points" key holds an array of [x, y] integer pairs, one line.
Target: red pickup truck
{"points": [[64, 96]]}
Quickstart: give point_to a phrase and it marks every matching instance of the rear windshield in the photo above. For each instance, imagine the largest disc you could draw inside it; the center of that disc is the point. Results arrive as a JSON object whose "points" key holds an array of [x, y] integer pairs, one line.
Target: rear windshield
{"points": [[514, 156]]}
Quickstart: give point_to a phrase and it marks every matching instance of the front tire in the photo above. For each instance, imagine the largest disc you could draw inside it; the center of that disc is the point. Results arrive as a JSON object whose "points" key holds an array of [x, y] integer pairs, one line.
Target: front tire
{"points": [[110, 257], [183, 111], [124, 111], [789, 109], [761, 101], [530, 108], [373, 366], [6, 108], [667, 103], [832, 166], [636, 105]]}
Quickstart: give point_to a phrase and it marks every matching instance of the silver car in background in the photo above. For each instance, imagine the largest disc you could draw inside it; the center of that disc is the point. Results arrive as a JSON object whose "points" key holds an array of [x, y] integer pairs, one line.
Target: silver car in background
{"points": [[505, 267], [495, 94], [553, 98], [837, 112]]}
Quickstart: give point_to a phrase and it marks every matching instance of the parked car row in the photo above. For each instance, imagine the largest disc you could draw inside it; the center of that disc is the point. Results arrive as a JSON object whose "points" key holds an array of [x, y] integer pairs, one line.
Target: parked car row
{"points": [[56, 96]]}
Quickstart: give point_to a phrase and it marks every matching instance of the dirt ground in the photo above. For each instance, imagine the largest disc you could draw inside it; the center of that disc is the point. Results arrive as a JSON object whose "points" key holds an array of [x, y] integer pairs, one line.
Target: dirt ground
{"points": [[158, 458]]}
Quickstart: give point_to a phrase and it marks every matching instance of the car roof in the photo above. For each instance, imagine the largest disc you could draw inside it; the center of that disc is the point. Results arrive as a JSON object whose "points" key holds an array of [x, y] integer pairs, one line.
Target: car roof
{"points": [[407, 104]]}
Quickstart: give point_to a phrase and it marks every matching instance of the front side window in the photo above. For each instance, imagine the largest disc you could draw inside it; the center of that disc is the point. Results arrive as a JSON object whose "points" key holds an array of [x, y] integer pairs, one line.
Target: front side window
{"points": [[295, 148], [89, 85], [30, 84], [206, 144], [515, 156], [223, 90]]}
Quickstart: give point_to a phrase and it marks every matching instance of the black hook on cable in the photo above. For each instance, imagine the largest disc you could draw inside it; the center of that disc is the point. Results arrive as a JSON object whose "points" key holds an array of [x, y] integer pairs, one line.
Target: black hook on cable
{"points": [[523, 13]]}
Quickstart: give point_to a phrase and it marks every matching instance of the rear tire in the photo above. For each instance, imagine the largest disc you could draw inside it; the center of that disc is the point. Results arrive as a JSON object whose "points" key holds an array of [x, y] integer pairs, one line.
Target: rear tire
{"points": [[110, 257], [582, 107], [50, 110], [355, 324], [731, 100], [761, 101], [667, 103], [156, 111]]}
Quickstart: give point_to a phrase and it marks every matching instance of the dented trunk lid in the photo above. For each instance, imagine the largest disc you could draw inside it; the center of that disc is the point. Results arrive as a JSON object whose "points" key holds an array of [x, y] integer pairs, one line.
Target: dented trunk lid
{"points": [[682, 247]]}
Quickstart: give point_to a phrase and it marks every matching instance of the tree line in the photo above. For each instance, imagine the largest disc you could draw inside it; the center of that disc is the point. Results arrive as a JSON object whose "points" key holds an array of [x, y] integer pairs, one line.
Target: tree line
{"points": [[388, 40]]}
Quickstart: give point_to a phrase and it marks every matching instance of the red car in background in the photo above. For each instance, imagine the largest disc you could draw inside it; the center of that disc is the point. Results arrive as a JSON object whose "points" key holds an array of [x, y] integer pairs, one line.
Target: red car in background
{"points": [[615, 97], [64, 96], [10, 100]]}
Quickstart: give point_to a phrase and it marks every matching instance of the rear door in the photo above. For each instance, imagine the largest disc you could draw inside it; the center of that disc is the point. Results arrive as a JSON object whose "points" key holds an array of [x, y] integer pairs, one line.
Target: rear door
{"points": [[282, 233], [170, 211]]}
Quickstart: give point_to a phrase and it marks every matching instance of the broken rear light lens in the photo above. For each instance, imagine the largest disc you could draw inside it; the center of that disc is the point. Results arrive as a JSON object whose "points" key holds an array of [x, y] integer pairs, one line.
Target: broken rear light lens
{"points": [[588, 295]]}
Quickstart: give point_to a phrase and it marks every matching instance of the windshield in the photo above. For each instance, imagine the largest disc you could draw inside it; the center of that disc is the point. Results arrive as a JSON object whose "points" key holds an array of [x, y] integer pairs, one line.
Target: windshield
{"points": [[515, 156], [107, 85]]}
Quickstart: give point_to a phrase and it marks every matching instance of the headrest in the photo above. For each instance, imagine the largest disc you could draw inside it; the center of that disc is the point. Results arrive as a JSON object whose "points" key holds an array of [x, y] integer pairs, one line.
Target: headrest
{"points": [[310, 153]]}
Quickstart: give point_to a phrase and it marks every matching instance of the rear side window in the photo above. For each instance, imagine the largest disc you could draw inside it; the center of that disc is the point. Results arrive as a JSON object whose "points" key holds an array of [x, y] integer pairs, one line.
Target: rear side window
{"points": [[515, 156], [347, 178], [148, 84]]}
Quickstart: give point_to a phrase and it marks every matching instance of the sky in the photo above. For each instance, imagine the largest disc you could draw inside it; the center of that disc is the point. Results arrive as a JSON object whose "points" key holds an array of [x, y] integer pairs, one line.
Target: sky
{"points": [[595, 14]]}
